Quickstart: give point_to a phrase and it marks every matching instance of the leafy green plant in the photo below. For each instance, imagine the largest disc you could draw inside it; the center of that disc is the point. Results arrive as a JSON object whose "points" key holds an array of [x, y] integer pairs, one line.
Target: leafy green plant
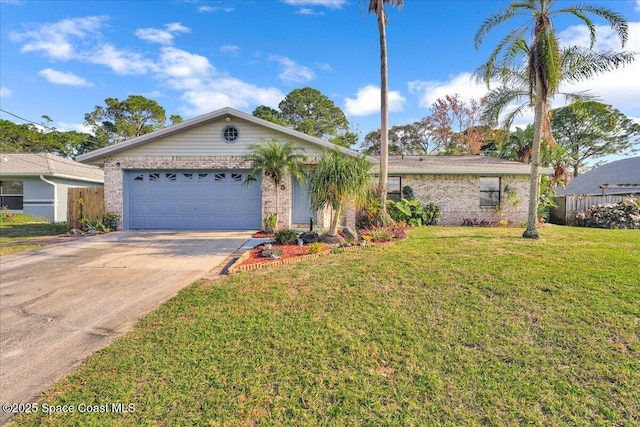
{"points": [[95, 225], [381, 234], [407, 192], [285, 236], [316, 247], [110, 220], [433, 213], [270, 221]]}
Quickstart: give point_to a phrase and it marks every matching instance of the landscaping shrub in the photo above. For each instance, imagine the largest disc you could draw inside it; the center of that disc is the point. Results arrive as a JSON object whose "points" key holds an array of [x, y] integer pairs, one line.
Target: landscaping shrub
{"points": [[316, 247], [407, 192], [433, 213], [624, 214], [414, 213], [285, 236]]}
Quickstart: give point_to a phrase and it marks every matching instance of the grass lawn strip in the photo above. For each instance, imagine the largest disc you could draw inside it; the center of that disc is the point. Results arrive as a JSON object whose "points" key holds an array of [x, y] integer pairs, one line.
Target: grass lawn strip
{"points": [[20, 236], [455, 326]]}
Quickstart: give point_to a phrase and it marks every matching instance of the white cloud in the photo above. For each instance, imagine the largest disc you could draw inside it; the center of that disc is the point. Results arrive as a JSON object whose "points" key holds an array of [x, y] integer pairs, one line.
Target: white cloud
{"points": [[62, 78], [176, 27], [308, 11], [57, 40], [120, 61], [209, 9], [5, 92], [323, 66], [155, 35], [230, 49], [204, 88], [637, 5], [332, 4], [619, 87], [292, 72], [367, 102]]}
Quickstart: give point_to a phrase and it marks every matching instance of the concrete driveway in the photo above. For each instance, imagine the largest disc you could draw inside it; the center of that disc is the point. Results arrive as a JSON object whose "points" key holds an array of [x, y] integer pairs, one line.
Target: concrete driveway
{"points": [[61, 304]]}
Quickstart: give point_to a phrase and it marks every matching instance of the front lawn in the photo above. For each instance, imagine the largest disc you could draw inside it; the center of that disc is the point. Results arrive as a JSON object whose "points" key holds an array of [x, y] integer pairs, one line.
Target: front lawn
{"points": [[20, 232], [455, 326]]}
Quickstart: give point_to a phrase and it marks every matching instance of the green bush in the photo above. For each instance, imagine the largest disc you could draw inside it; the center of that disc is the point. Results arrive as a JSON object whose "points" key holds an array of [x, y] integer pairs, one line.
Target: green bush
{"points": [[285, 236], [414, 213]]}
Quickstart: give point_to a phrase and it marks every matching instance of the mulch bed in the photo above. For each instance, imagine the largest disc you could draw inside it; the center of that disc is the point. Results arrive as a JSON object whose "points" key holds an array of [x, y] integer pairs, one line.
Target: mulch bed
{"points": [[288, 251]]}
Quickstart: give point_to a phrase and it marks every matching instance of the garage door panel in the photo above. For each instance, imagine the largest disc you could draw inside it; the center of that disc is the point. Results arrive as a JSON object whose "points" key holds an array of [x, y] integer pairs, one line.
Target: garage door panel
{"points": [[207, 200]]}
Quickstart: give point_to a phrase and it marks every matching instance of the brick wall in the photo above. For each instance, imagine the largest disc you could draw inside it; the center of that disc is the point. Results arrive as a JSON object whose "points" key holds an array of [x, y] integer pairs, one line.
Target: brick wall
{"points": [[113, 181], [459, 196]]}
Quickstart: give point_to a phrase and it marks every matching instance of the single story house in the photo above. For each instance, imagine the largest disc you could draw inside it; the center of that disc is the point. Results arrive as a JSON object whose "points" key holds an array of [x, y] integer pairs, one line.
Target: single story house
{"points": [[192, 176], [609, 183], [621, 177], [37, 183], [464, 187]]}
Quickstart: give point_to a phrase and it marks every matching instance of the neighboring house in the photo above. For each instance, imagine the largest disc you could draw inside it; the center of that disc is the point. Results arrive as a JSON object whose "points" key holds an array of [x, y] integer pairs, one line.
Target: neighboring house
{"points": [[191, 176], [37, 184], [606, 184], [464, 187], [620, 177]]}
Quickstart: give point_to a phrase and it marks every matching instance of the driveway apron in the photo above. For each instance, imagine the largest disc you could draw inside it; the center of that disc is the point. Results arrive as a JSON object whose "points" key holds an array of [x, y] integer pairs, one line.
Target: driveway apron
{"points": [[60, 304]]}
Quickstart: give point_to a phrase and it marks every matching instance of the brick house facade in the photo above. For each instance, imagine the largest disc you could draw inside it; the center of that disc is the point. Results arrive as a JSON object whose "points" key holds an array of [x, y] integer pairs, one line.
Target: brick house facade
{"points": [[454, 183], [201, 146]]}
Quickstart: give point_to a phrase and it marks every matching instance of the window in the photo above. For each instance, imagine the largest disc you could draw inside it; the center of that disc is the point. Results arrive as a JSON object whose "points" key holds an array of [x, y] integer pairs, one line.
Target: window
{"points": [[230, 133], [154, 176], [11, 195], [219, 177], [394, 188], [170, 176], [489, 191], [236, 177]]}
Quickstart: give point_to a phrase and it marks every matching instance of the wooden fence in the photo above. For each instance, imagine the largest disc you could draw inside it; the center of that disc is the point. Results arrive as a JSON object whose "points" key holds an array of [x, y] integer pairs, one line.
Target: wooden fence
{"points": [[564, 214], [84, 204]]}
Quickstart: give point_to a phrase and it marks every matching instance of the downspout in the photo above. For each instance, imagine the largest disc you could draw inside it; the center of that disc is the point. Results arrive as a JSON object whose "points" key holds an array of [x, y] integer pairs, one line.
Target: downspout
{"points": [[55, 197]]}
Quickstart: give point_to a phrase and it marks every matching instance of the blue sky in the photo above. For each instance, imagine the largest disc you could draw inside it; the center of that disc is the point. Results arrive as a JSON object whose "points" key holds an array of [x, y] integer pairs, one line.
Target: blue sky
{"points": [[62, 58]]}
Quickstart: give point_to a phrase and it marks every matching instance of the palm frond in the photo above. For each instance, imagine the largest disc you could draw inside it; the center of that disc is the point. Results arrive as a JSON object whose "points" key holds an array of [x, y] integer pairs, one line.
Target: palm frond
{"points": [[615, 19]]}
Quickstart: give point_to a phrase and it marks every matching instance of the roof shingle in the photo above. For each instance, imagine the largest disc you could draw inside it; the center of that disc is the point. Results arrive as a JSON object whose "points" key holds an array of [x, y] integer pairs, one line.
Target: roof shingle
{"points": [[33, 164]]}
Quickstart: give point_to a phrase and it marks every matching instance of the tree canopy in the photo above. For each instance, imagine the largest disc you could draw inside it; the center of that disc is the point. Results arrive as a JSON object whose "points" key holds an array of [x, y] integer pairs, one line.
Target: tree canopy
{"points": [[307, 110], [118, 120], [591, 130]]}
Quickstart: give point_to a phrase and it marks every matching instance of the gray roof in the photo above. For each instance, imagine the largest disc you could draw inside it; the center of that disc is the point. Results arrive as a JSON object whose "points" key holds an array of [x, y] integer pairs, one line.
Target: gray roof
{"points": [[619, 177], [465, 165], [101, 153], [35, 164]]}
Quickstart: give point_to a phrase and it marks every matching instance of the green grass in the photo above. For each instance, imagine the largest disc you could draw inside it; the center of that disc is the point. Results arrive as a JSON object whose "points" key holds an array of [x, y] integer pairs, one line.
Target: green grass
{"points": [[455, 326], [19, 232]]}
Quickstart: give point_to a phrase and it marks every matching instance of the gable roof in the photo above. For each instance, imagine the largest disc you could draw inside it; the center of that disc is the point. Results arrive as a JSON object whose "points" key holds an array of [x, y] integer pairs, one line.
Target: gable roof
{"points": [[619, 177], [35, 164], [101, 153], [458, 165]]}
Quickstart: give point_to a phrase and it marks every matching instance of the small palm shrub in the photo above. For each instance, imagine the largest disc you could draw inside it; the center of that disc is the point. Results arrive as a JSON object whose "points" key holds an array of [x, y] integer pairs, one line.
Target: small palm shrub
{"points": [[285, 236]]}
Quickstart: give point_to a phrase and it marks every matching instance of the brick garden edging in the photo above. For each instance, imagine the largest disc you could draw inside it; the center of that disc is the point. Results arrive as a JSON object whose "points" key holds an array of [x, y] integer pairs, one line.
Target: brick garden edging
{"points": [[236, 266]]}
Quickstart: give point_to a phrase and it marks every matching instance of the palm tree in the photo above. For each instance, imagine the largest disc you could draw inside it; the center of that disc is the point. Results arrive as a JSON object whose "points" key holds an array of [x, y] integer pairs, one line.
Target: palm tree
{"points": [[545, 62], [337, 180], [276, 161], [377, 7]]}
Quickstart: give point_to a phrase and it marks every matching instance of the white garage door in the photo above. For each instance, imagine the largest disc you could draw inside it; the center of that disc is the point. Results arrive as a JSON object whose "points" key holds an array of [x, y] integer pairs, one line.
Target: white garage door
{"points": [[191, 200]]}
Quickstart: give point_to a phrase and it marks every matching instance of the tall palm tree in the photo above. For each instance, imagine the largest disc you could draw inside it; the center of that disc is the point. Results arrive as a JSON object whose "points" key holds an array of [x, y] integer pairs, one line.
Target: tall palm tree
{"points": [[336, 180], [544, 65], [378, 7], [276, 161]]}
